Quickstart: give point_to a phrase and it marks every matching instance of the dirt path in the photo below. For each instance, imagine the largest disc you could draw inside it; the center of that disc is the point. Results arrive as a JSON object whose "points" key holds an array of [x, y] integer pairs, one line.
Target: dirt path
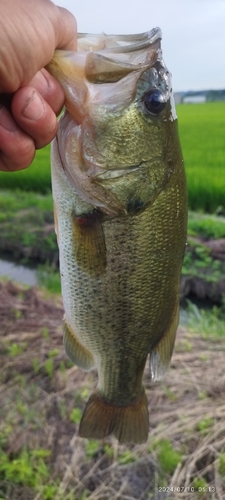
{"points": [[39, 390]]}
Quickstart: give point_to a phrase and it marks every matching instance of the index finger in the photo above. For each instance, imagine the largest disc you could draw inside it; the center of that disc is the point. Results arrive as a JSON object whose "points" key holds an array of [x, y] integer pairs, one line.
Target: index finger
{"points": [[67, 33]]}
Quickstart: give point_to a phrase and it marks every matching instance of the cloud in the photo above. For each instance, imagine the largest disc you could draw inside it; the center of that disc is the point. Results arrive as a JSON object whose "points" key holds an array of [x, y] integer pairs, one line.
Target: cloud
{"points": [[193, 33]]}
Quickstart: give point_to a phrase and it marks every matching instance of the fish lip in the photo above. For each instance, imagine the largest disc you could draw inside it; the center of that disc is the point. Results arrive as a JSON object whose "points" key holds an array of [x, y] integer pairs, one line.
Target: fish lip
{"points": [[125, 43]]}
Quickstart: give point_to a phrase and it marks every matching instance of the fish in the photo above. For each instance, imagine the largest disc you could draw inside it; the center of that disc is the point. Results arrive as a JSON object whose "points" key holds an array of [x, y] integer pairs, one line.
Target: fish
{"points": [[120, 205]]}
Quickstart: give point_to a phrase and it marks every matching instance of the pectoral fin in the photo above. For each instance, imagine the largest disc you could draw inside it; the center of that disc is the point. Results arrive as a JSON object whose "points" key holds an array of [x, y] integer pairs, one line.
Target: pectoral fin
{"points": [[160, 356], [76, 352], [89, 241]]}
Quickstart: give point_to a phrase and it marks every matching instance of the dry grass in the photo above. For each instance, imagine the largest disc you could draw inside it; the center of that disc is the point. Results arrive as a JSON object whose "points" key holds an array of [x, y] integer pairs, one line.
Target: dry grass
{"points": [[187, 408]]}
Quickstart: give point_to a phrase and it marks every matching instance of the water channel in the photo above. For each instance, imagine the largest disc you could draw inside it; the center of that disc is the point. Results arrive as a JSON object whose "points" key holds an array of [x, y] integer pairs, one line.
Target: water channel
{"points": [[27, 276], [19, 273]]}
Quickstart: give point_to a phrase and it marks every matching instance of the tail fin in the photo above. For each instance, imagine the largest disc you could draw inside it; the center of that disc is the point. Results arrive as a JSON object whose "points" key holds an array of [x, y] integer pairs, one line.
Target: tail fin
{"points": [[129, 424]]}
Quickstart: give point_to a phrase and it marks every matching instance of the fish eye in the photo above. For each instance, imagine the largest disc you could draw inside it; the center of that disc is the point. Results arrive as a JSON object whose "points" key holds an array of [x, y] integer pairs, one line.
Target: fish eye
{"points": [[154, 102]]}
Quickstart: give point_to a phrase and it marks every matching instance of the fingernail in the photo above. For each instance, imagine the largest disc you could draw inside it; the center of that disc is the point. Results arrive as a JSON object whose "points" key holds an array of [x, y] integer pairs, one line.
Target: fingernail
{"points": [[6, 120], [34, 108]]}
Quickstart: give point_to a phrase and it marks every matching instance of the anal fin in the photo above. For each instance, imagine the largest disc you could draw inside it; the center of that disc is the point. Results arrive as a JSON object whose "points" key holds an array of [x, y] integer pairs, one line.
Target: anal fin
{"points": [[89, 241], [75, 351], [160, 356]]}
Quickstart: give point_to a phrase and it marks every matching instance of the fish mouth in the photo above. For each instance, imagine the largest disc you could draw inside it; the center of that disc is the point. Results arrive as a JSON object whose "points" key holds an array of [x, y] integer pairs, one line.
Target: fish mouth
{"points": [[103, 59], [110, 57], [131, 51], [116, 44]]}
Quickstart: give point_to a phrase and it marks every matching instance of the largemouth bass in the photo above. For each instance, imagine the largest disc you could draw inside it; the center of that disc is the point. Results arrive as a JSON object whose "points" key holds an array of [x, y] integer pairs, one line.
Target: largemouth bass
{"points": [[120, 201]]}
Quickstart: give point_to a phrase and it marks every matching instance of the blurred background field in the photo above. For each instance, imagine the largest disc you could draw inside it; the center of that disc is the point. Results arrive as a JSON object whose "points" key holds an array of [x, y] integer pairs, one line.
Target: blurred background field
{"points": [[201, 129]]}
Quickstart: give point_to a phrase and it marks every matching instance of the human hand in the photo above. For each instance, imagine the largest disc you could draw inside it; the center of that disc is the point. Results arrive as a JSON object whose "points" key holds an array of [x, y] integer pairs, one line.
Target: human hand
{"points": [[30, 31]]}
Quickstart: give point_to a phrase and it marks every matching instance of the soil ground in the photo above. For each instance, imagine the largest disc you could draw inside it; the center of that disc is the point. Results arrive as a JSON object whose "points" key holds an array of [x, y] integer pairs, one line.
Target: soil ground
{"points": [[38, 397]]}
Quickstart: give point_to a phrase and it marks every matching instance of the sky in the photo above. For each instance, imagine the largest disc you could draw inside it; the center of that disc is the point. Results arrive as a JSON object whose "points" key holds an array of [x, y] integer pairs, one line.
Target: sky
{"points": [[193, 40]]}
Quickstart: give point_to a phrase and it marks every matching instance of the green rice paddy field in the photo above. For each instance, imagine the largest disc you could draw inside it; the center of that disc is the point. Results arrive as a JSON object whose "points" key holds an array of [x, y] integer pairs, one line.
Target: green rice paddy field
{"points": [[202, 133]]}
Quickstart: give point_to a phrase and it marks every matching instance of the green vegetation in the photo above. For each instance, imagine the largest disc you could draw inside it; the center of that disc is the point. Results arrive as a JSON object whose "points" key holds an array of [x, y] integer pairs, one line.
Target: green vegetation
{"points": [[168, 457], [36, 178], [204, 424], [208, 323], [49, 278], [202, 138], [42, 455], [28, 468], [201, 486], [199, 262], [27, 227], [222, 465], [206, 226], [126, 457], [75, 415]]}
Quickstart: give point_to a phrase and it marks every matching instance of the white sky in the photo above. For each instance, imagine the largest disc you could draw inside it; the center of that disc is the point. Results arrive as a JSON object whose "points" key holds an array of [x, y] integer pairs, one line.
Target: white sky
{"points": [[193, 33]]}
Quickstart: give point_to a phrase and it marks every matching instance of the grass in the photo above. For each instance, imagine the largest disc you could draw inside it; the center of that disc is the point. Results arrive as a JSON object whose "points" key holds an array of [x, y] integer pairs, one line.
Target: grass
{"points": [[49, 278], [207, 323], [27, 227], [202, 137], [206, 226], [42, 457], [11, 201], [36, 178]]}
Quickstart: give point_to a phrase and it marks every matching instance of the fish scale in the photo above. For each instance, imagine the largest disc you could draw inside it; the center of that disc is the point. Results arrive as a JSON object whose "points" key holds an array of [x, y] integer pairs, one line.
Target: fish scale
{"points": [[120, 201]]}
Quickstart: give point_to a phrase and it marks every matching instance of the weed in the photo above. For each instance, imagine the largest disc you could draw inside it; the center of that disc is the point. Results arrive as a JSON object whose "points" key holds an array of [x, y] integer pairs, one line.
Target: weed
{"points": [[203, 357], [202, 394], [200, 485], [49, 491], [35, 364], [19, 379], [53, 353], [75, 415], [28, 469], [204, 424], [62, 408], [84, 392], [92, 448], [167, 456], [171, 396], [108, 449], [62, 367], [206, 226], [207, 323], [222, 464], [16, 349], [49, 367], [49, 278], [126, 457], [198, 262], [45, 333]]}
